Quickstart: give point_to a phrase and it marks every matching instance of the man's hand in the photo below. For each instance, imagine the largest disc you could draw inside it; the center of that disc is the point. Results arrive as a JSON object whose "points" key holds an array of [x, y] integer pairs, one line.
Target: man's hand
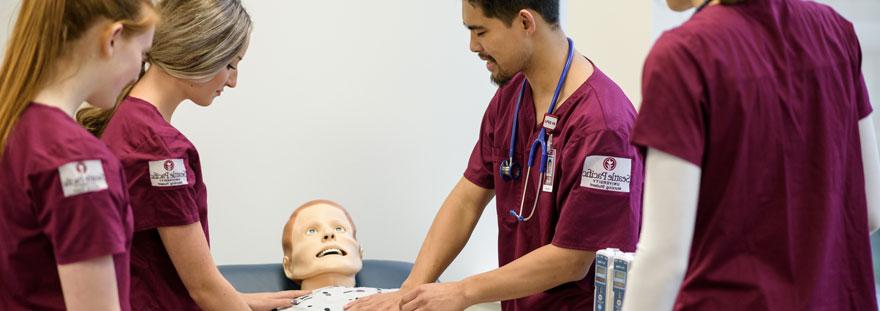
{"points": [[435, 297], [378, 302], [271, 301]]}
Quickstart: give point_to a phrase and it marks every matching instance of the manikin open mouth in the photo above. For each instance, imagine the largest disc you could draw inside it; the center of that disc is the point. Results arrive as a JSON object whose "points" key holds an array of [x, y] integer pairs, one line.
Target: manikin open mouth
{"points": [[331, 251]]}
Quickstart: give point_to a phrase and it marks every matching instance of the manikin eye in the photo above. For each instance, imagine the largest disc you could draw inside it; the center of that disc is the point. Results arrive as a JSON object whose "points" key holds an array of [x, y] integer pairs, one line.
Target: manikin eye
{"points": [[340, 229], [311, 231]]}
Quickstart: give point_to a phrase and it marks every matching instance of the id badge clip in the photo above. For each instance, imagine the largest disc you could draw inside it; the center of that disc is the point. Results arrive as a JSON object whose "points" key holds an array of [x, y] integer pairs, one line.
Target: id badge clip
{"points": [[550, 122]]}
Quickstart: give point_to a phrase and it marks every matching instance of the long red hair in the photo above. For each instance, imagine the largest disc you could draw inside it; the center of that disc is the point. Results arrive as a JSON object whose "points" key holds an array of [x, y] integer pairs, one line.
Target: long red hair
{"points": [[42, 32]]}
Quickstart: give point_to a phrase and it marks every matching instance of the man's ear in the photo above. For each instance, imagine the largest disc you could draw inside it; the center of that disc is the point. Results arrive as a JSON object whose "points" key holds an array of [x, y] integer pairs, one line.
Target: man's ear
{"points": [[361, 249], [288, 271], [110, 39], [527, 21]]}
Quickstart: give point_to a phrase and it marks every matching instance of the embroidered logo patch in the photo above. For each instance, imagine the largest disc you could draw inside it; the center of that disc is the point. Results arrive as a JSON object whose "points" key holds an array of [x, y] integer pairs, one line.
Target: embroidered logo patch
{"points": [[82, 177], [607, 173], [167, 173]]}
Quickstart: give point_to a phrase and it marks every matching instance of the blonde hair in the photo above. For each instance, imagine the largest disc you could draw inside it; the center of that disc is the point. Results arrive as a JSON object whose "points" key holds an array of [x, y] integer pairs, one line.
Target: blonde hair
{"points": [[194, 41], [287, 242], [42, 33]]}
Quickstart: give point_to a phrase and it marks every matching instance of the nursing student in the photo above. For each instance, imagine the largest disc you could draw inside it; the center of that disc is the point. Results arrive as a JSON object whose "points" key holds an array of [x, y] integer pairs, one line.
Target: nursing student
{"points": [[554, 149], [762, 174], [195, 55], [65, 220]]}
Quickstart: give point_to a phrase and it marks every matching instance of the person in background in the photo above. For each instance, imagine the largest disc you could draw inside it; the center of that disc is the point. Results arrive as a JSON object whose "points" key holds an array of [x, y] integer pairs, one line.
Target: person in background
{"points": [[763, 179]]}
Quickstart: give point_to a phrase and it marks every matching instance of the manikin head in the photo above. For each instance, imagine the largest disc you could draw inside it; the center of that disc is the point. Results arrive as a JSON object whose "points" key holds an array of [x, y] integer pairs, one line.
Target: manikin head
{"points": [[507, 33], [320, 246]]}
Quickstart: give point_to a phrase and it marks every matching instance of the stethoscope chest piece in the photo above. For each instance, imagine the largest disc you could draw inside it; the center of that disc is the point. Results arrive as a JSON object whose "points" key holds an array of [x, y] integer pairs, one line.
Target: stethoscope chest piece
{"points": [[510, 170]]}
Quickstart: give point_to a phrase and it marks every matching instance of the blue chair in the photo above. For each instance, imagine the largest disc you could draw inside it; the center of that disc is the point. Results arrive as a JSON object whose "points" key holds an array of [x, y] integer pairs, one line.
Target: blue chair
{"points": [[270, 277]]}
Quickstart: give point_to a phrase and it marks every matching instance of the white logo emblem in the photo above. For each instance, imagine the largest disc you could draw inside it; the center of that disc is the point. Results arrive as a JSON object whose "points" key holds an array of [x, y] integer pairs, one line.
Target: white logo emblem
{"points": [[607, 173], [82, 177], [610, 164], [168, 173]]}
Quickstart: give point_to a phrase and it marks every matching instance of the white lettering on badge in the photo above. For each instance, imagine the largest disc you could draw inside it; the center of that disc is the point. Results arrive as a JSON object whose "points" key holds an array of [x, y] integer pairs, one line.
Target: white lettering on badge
{"points": [[80, 177], [168, 173], [607, 173]]}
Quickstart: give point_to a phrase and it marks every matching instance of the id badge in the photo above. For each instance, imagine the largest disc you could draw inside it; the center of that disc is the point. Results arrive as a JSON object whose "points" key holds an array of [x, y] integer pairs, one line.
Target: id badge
{"points": [[547, 183]]}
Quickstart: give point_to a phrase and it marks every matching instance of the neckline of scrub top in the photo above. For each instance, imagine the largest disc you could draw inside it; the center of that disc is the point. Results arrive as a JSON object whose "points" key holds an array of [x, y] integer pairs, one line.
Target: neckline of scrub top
{"points": [[152, 107], [565, 107], [53, 109]]}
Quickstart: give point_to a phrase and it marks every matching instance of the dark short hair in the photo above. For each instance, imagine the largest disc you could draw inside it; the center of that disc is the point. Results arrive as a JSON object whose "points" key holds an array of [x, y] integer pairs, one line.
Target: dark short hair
{"points": [[506, 10]]}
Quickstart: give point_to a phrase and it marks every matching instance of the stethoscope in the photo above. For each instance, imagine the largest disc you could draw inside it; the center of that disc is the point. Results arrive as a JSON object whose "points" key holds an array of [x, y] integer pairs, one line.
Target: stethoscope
{"points": [[509, 169]]}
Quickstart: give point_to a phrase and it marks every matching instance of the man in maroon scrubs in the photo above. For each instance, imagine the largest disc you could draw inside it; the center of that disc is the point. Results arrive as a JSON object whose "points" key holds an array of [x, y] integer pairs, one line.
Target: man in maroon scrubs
{"points": [[587, 199], [760, 101]]}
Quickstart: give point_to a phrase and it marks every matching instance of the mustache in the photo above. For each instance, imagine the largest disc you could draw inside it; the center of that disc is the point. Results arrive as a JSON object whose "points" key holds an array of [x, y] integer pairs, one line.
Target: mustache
{"points": [[486, 57]]}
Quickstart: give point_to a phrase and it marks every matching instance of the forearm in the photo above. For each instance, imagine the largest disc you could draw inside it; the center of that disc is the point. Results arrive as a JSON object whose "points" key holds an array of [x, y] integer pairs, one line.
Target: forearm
{"points": [[217, 294], [544, 268], [450, 231], [668, 218], [90, 285], [871, 164], [189, 252]]}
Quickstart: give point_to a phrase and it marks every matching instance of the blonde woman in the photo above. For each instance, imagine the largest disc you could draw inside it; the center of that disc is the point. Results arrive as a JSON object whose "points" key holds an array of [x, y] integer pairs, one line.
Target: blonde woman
{"points": [[65, 221], [195, 55]]}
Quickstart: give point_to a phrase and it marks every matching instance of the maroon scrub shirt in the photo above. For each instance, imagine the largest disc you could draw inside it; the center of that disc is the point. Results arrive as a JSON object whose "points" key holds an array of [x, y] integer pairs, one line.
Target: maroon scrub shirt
{"points": [[165, 182], [766, 98], [62, 201], [596, 200]]}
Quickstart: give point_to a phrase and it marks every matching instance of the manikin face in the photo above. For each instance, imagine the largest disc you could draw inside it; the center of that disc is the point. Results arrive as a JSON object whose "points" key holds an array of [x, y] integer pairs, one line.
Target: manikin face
{"points": [[322, 243], [504, 48]]}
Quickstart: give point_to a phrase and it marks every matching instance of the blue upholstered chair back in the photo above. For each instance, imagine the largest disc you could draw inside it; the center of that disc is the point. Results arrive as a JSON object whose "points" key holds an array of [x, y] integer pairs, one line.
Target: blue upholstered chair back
{"points": [[270, 277]]}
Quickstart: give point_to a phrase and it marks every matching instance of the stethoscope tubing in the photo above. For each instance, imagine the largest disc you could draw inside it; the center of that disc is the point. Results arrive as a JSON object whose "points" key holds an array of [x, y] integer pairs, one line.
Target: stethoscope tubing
{"points": [[539, 142]]}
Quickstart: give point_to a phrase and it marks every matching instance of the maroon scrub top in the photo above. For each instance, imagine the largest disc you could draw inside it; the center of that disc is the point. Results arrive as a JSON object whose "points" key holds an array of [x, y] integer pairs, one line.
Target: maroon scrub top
{"points": [[596, 200], [766, 98], [165, 182], [62, 201]]}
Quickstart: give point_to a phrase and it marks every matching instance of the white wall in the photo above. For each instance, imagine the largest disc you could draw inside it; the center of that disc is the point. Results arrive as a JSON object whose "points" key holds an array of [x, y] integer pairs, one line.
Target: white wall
{"points": [[377, 105], [8, 10], [373, 104], [615, 35], [389, 144]]}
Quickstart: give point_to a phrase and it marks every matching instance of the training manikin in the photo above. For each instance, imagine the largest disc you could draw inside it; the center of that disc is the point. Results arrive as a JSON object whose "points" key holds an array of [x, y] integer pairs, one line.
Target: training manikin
{"points": [[322, 254]]}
